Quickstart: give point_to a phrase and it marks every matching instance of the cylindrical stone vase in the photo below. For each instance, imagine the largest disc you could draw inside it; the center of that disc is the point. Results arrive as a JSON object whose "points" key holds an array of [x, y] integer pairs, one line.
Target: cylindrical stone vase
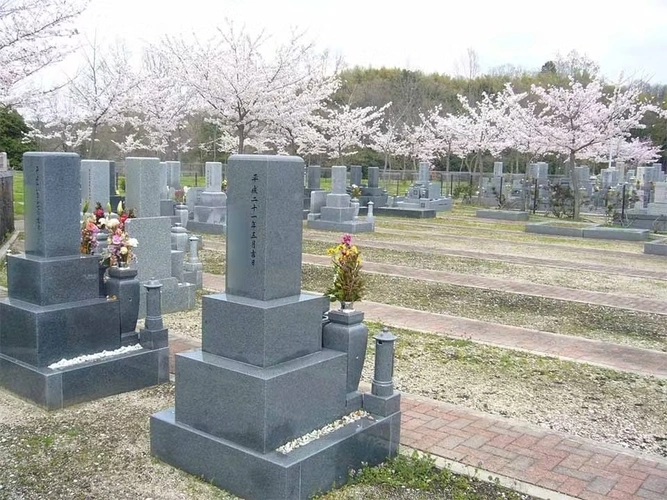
{"points": [[182, 211], [347, 333], [354, 202], [124, 285]]}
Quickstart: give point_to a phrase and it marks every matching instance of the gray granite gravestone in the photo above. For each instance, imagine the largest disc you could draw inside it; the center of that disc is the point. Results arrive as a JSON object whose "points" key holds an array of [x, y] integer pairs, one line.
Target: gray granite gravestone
{"points": [[262, 377], [154, 253], [173, 174], [356, 173], [167, 201], [423, 199], [95, 185], [210, 212], [142, 186], [314, 173], [337, 214], [53, 310], [373, 192], [4, 165]]}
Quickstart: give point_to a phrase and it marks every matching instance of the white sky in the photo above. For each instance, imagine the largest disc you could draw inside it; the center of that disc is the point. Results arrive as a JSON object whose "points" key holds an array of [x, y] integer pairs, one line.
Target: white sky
{"points": [[427, 35]]}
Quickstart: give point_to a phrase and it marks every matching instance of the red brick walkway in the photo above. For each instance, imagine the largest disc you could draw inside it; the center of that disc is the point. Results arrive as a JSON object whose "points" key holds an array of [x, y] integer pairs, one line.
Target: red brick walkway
{"points": [[617, 357], [527, 453]]}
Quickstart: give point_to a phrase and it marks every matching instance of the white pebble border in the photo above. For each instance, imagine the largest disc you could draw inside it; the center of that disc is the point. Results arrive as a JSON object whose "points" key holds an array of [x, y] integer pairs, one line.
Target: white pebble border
{"points": [[64, 363], [318, 433]]}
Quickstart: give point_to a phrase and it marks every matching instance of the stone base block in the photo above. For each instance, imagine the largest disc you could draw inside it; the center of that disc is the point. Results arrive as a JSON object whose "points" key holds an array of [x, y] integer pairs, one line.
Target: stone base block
{"points": [[311, 469], [334, 200], [334, 214], [194, 277], [503, 215], [352, 227], [262, 333], [177, 257], [546, 228], [211, 215], [43, 335], [175, 296], [56, 280], [616, 233], [378, 405], [260, 408], [411, 213], [166, 208], [656, 247], [53, 389], [206, 228]]}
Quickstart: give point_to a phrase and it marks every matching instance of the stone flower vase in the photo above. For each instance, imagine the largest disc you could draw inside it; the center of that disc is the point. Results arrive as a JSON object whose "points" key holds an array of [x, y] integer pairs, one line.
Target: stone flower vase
{"points": [[124, 285], [345, 332], [354, 203], [182, 211]]}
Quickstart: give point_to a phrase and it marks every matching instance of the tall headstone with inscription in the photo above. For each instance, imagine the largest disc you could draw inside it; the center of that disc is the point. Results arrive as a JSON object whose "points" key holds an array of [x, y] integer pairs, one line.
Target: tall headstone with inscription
{"points": [[53, 310], [210, 212], [338, 214], [154, 253], [262, 378], [95, 185]]}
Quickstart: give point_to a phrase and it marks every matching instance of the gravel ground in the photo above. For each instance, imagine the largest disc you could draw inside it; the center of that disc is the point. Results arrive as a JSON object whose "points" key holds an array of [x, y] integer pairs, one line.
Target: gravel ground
{"points": [[580, 279]]}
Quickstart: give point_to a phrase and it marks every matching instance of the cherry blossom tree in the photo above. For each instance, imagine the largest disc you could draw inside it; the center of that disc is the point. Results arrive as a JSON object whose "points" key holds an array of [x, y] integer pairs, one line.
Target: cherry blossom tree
{"points": [[33, 35], [160, 106], [103, 90], [243, 88], [575, 120], [345, 128]]}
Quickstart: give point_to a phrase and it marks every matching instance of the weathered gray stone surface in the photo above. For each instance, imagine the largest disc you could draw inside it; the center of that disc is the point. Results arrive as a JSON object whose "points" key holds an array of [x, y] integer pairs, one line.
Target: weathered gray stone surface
{"points": [[502, 215], [656, 247], [95, 186], [142, 186]]}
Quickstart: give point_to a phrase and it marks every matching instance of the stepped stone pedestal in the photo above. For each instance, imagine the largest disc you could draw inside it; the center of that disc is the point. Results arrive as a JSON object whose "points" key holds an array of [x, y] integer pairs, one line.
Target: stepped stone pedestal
{"points": [[262, 377], [210, 211], [337, 214], [53, 310]]}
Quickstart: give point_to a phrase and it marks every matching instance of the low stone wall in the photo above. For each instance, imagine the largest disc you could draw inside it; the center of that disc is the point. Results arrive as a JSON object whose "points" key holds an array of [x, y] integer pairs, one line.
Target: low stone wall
{"points": [[513, 215], [656, 247], [6, 205], [547, 228]]}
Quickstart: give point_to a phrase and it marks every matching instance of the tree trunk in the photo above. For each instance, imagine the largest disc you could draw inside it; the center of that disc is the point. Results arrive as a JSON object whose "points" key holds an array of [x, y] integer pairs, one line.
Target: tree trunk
{"points": [[574, 182]]}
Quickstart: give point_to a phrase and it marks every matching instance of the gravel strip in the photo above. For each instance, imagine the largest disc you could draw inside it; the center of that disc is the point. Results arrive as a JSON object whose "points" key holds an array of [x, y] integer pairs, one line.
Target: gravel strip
{"points": [[580, 279]]}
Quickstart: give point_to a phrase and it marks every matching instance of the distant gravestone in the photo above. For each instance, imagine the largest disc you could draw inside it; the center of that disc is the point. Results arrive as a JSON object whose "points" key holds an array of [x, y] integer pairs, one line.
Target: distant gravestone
{"points": [[356, 174], [143, 186], [314, 176], [497, 168], [174, 174], [95, 187], [262, 377], [210, 209], [4, 164]]}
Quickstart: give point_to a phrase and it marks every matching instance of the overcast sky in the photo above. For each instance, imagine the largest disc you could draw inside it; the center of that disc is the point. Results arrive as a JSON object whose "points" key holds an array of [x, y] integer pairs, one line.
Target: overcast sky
{"points": [[427, 35]]}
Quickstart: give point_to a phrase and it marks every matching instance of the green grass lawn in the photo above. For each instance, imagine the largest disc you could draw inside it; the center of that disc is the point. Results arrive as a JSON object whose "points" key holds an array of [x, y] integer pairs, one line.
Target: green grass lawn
{"points": [[18, 193]]}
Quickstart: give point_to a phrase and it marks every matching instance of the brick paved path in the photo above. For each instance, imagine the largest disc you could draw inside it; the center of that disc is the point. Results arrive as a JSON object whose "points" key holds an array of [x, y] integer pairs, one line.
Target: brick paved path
{"points": [[527, 453]]}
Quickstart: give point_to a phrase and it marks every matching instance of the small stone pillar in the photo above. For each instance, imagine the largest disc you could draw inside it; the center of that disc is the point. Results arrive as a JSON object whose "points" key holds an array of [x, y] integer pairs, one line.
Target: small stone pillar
{"points": [[154, 334], [179, 237], [193, 269], [382, 400], [369, 214]]}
